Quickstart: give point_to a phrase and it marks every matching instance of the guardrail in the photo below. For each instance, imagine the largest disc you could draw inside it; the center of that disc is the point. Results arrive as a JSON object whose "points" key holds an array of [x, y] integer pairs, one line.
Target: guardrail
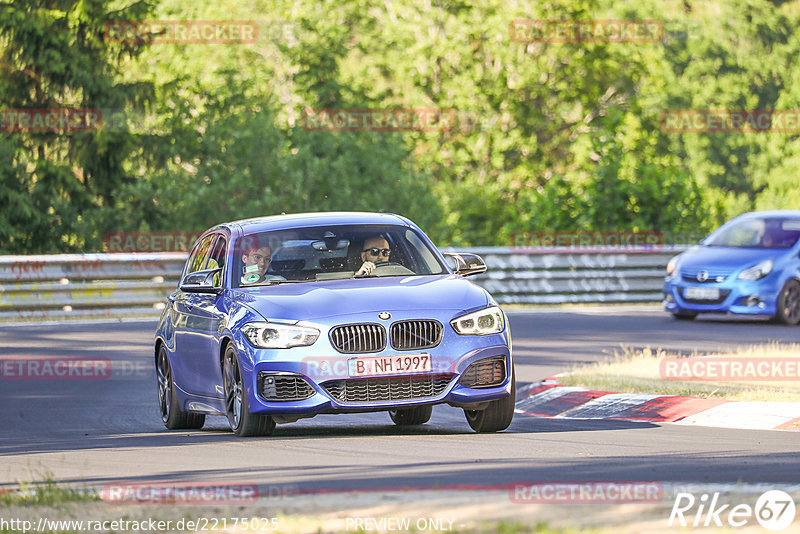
{"points": [[81, 285]]}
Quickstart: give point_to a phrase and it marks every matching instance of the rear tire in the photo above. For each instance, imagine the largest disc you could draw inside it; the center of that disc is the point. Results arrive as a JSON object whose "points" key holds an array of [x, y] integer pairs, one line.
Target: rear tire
{"points": [[243, 423], [171, 414], [411, 416], [684, 316], [789, 303], [497, 416]]}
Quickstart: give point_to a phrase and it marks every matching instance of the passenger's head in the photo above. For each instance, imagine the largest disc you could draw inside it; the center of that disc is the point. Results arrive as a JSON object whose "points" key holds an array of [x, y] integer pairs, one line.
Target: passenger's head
{"points": [[376, 250]]}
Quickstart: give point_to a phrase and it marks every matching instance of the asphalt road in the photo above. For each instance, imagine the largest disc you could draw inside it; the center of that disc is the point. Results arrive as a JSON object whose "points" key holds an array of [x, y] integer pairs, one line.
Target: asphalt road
{"points": [[94, 432]]}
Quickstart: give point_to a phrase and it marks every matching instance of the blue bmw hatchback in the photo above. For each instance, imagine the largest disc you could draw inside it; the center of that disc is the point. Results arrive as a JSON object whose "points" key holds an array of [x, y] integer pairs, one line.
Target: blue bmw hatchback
{"points": [[750, 265], [285, 317]]}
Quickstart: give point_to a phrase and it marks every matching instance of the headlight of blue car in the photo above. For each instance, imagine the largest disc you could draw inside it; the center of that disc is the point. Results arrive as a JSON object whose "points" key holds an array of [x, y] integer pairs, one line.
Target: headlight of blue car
{"points": [[757, 272], [279, 336], [480, 323]]}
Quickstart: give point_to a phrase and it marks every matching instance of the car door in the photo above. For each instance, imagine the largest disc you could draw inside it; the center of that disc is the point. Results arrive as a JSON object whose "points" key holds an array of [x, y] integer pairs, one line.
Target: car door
{"points": [[196, 327]]}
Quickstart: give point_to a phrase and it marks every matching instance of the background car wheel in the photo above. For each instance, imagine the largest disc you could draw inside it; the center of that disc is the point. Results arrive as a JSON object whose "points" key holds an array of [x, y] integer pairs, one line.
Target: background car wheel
{"points": [[171, 415], [243, 423], [789, 303], [684, 316], [497, 416], [411, 416]]}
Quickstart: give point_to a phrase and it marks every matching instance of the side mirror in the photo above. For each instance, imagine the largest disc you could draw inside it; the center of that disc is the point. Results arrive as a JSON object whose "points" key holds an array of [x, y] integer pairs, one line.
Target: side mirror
{"points": [[201, 282], [465, 264]]}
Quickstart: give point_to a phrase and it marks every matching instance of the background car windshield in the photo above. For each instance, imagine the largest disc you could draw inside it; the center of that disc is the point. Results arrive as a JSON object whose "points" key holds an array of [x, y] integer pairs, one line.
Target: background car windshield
{"points": [[758, 233], [334, 252]]}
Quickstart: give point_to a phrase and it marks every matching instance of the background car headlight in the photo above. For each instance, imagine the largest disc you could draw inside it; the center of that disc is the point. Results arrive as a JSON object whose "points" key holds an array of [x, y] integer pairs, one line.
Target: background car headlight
{"points": [[480, 323], [279, 336], [758, 272], [671, 267]]}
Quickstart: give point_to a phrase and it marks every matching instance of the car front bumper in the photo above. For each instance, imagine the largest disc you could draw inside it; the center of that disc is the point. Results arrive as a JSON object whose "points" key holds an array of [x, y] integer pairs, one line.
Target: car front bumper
{"points": [[319, 366], [736, 296]]}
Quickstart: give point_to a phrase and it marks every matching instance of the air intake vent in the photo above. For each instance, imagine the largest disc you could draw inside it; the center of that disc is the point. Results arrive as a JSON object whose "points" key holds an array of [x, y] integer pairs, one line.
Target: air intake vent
{"points": [[387, 388], [415, 334], [485, 373], [283, 387], [358, 338]]}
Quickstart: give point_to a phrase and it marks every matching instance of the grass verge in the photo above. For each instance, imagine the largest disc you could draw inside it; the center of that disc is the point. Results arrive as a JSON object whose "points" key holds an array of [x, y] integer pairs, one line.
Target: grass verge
{"points": [[639, 371]]}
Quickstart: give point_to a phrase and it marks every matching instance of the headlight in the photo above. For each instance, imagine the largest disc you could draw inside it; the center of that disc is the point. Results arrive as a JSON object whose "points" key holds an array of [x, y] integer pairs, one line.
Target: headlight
{"points": [[758, 272], [671, 266], [279, 336], [480, 323]]}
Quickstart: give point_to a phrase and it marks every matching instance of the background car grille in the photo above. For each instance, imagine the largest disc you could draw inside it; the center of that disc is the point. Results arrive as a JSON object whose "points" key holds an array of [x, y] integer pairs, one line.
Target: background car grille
{"points": [[415, 334], [485, 373], [393, 388], [280, 387], [723, 294], [358, 338], [690, 275]]}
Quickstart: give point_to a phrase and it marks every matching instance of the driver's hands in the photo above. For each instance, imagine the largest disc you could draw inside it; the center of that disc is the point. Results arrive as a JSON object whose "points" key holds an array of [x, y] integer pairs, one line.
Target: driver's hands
{"points": [[366, 268]]}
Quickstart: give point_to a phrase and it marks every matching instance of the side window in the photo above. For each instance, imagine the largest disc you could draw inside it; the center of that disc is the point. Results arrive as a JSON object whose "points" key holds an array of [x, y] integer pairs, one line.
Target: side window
{"points": [[197, 262], [217, 260]]}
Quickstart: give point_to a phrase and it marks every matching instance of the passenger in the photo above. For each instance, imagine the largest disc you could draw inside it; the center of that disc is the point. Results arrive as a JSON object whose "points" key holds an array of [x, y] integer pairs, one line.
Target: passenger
{"points": [[256, 259], [375, 251]]}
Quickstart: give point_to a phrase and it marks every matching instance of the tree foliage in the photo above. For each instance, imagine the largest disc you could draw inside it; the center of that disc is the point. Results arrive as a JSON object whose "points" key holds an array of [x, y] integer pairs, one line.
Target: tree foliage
{"points": [[549, 135]]}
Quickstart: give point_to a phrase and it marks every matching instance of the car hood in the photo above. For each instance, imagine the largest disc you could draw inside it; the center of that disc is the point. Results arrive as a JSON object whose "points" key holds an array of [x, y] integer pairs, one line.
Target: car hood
{"points": [[315, 300], [726, 259]]}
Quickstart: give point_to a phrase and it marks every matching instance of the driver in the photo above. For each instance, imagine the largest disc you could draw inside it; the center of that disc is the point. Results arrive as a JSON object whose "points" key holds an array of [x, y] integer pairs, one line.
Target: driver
{"points": [[256, 259], [375, 251]]}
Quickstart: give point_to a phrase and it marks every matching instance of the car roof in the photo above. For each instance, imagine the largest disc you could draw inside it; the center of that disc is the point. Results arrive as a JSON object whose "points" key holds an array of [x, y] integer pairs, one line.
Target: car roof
{"points": [[294, 220], [791, 214]]}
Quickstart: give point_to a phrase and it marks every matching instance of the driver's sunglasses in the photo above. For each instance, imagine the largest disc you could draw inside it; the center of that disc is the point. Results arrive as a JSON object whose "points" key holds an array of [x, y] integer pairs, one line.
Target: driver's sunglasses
{"points": [[377, 251]]}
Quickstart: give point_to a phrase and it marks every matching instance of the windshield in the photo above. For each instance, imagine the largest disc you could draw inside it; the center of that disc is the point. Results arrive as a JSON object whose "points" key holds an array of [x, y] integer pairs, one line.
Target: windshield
{"points": [[330, 253], [770, 232]]}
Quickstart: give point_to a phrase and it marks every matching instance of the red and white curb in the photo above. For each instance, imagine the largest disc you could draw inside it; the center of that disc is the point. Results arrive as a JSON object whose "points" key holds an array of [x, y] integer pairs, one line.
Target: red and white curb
{"points": [[550, 399]]}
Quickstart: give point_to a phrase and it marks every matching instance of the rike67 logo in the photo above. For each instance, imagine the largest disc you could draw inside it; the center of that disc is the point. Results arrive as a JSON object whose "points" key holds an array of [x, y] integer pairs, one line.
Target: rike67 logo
{"points": [[774, 510]]}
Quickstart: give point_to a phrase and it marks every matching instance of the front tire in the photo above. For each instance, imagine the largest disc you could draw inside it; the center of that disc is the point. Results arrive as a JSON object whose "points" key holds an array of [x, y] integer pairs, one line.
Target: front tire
{"points": [[789, 303], [411, 416], [684, 316], [171, 414], [497, 416], [242, 422]]}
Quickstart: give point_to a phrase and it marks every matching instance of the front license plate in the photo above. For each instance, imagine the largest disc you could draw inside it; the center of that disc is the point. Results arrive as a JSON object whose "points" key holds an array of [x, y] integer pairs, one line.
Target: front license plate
{"points": [[389, 365], [701, 293]]}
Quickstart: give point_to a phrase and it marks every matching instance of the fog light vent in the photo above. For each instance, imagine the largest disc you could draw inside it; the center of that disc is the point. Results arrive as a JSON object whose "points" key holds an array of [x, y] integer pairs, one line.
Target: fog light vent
{"points": [[485, 373]]}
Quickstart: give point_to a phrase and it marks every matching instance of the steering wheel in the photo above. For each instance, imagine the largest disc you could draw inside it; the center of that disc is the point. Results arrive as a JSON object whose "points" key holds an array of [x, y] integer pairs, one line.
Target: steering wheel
{"points": [[391, 268]]}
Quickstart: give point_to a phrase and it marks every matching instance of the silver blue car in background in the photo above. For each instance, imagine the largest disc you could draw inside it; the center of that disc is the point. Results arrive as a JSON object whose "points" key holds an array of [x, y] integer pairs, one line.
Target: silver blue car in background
{"points": [[750, 265], [314, 334]]}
